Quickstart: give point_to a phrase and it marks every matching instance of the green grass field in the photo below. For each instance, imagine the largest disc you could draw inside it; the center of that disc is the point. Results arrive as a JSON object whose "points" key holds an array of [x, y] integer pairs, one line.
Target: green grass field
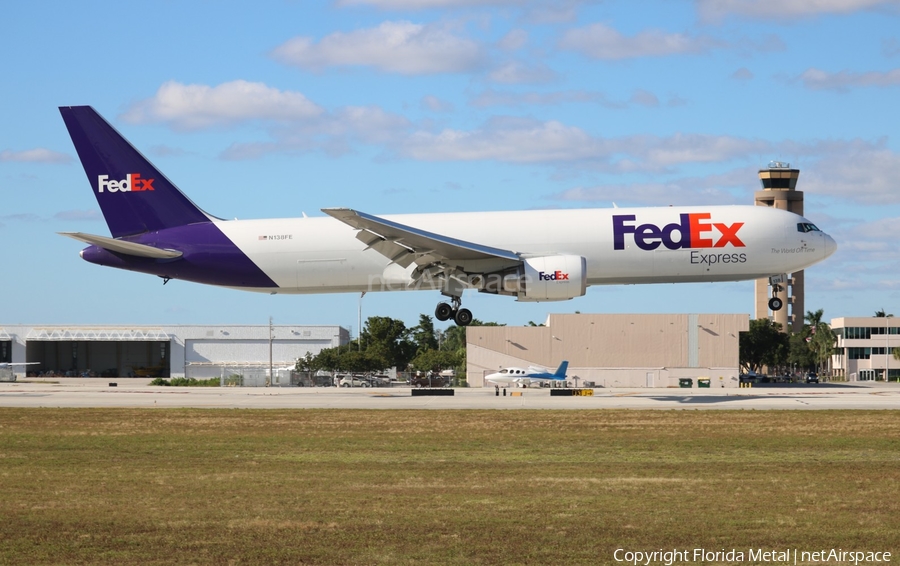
{"points": [[164, 486]]}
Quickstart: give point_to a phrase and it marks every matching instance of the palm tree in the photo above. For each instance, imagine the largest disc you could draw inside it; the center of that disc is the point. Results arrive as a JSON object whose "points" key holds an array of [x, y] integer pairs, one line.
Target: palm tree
{"points": [[882, 314], [821, 340]]}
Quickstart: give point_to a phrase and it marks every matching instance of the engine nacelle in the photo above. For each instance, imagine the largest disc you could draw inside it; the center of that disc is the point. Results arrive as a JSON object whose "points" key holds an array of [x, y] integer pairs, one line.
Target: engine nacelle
{"points": [[553, 278], [547, 278]]}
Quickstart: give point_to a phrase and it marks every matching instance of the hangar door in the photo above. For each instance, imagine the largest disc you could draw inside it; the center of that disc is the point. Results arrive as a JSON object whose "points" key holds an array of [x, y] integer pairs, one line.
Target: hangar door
{"points": [[99, 352]]}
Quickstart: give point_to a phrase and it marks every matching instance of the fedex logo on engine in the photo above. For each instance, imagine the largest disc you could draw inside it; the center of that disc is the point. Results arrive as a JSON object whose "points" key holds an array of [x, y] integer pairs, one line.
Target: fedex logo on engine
{"points": [[693, 231], [555, 276], [131, 182]]}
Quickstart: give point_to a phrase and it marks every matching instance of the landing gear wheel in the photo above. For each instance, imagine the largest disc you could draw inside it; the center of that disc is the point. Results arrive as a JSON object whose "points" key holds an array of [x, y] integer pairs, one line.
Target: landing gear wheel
{"points": [[443, 312], [463, 317], [775, 304]]}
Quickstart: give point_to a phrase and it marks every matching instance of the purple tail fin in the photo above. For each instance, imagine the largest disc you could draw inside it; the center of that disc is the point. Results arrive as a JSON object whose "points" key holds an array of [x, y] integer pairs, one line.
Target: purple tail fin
{"points": [[133, 195]]}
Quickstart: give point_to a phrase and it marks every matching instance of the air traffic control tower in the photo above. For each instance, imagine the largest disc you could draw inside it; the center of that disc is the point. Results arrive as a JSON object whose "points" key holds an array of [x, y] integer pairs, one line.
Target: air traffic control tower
{"points": [[779, 184]]}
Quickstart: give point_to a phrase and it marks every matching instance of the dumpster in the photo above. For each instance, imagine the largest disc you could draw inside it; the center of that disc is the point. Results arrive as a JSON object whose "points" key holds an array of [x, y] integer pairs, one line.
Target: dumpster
{"points": [[703, 382], [686, 382]]}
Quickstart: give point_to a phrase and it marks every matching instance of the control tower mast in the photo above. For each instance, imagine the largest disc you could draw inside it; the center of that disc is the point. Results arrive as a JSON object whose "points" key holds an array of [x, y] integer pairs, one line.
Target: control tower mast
{"points": [[779, 184]]}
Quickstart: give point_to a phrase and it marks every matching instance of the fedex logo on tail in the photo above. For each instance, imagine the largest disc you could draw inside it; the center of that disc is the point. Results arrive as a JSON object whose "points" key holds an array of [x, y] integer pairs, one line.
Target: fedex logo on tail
{"points": [[131, 182], [693, 231]]}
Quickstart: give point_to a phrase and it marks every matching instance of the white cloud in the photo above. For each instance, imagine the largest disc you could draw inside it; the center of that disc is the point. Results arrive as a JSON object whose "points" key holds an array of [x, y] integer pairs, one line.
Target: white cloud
{"points": [[396, 47], [817, 79], [866, 257], [435, 104], [553, 11], [516, 72], [534, 11], [427, 4], [371, 124], [783, 10], [691, 148], [22, 217], [658, 194], [711, 189], [520, 140], [600, 41], [513, 40], [334, 133], [191, 107], [742, 74], [492, 97], [507, 139], [36, 155], [80, 215], [642, 97], [890, 47], [857, 171]]}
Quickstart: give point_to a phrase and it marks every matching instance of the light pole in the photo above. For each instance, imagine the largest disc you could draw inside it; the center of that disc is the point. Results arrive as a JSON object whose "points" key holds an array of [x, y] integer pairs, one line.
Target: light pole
{"points": [[887, 349], [271, 337], [359, 322]]}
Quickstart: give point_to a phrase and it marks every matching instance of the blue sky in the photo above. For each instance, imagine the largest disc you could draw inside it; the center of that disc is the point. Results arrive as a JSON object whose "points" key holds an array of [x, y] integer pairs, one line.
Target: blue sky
{"points": [[392, 106]]}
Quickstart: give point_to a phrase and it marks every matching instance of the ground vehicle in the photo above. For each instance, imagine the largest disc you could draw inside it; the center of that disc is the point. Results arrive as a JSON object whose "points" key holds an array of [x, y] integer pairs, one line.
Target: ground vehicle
{"points": [[353, 381], [429, 379], [812, 378]]}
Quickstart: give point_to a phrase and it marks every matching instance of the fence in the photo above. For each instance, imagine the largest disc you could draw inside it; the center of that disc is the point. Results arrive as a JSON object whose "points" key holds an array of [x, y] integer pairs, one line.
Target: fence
{"points": [[241, 375]]}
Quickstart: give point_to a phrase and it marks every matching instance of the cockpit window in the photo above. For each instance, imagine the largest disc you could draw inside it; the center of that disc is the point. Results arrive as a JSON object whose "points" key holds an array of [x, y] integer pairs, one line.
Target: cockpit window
{"points": [[806, 227]]}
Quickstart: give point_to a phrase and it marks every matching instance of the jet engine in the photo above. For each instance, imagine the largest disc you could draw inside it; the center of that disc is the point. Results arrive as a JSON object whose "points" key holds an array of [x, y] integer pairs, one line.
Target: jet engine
{"points": [[545, 278]]}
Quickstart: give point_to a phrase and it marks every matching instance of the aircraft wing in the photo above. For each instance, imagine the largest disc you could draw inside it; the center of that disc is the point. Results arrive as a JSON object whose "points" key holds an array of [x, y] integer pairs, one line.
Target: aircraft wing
{"points": [[122, 246], [405, 245]]}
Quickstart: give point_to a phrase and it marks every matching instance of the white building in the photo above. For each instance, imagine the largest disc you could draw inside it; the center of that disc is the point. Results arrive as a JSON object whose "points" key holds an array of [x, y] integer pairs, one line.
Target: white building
{"points": [[167, 351], [864, 346]]}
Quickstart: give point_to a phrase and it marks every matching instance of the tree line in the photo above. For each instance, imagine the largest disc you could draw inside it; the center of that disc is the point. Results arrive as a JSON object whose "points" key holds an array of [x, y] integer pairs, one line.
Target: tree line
{"points": [[810, 349], [386, 342]]}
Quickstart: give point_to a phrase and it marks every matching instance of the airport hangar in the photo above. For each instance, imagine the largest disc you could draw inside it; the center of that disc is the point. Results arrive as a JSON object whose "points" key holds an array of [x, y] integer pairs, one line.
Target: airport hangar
{"points": [[615, 350], [162, 351]]}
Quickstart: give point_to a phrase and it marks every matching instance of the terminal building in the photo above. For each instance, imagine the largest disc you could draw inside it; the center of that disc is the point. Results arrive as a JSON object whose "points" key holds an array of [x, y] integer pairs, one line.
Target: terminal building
{"points": [[615, 350], [160, 351], [864, 347]]}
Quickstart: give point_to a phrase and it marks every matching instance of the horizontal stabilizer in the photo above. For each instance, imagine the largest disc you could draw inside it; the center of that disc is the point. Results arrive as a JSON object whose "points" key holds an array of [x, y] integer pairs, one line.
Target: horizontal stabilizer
{"points": [[123, 247]]}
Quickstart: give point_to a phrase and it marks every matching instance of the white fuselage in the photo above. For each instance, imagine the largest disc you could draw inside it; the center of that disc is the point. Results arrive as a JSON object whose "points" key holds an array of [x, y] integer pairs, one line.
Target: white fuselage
{"points": [[728, 243], [521, 377]]}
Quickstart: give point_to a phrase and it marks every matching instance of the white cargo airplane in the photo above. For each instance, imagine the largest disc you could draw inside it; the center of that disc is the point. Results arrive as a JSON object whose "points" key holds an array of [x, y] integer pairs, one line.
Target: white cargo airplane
{"points": [[525, 377], [532, 255]]}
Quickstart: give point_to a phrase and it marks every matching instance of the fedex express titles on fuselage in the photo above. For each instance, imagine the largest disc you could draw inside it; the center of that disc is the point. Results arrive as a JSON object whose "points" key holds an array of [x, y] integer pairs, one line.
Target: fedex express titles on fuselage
{"points": [[693, 231]]}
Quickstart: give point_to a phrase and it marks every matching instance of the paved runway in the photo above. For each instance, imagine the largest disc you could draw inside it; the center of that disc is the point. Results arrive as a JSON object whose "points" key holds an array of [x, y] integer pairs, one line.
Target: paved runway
{"points": [[62, 392]]}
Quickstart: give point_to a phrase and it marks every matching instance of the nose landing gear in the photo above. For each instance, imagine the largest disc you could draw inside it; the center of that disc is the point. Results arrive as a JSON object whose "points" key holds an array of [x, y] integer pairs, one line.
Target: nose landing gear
{"points": [[776, 282], [461, 316]]}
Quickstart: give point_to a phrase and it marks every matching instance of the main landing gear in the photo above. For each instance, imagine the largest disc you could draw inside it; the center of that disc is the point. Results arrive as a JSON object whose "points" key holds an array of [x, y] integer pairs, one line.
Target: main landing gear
{"points": [[462, 317]]}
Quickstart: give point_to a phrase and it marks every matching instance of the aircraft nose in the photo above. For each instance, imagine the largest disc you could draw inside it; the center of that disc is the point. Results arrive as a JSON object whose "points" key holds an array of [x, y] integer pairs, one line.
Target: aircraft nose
{"points": [[830, 245]]}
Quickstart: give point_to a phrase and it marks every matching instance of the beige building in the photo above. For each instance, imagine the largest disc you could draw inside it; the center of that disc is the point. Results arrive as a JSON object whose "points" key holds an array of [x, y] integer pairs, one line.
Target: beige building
{"points": [[864, 346], [615, 350]]}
